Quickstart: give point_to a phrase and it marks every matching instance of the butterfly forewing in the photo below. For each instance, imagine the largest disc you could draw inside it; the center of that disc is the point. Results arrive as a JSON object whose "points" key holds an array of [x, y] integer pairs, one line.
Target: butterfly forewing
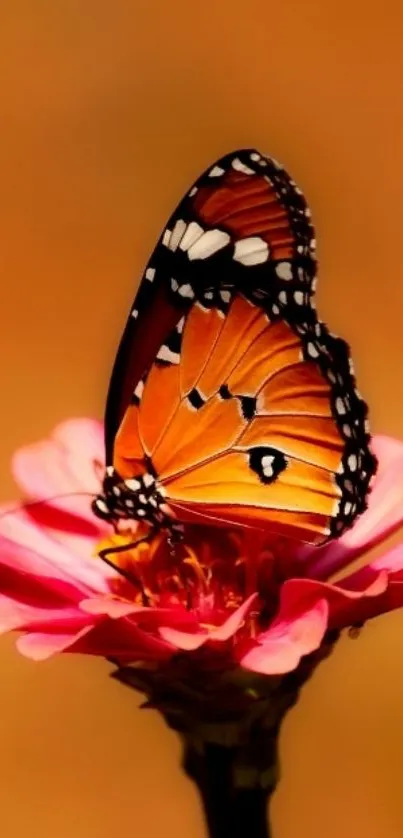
{"points": [[244, 223]]}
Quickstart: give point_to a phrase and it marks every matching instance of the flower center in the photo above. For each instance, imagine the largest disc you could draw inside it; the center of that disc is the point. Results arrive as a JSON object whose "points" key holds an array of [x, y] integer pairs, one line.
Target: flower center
{"points": [[209, 571]]}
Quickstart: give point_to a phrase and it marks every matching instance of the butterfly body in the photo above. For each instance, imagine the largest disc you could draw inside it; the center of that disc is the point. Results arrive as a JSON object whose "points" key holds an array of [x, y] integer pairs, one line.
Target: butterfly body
{"points": [[139, 497], [231, 403]]}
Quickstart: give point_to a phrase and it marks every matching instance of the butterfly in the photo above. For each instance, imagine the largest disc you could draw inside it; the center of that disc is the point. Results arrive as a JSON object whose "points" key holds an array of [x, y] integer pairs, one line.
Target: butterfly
{"points": [[230, 402]]}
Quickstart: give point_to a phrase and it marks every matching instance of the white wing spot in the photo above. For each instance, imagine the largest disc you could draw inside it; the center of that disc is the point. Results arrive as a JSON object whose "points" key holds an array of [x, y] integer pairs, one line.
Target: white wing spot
{"points": [[166, 237], [139, 389], [340, 406], [267, 465], [102, 505], [352, 462], [251, 251], [150, 274], [312, 350], [177, 234], [133, 485], [165, 354], [208, 244], [193, 192], [216, 171], [240, 167], [299, 297], [135, 313], [193, 233], [225, 296], [186, 290], [283, 270], [255, 156]]}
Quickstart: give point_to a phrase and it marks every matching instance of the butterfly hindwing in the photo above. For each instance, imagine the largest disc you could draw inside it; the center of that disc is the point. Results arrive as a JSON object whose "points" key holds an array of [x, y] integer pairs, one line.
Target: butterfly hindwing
{"points": [[258, 435]]}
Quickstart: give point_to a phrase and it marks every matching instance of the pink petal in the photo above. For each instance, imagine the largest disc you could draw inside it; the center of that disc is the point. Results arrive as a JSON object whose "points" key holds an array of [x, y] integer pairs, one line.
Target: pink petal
{"points": [[307, 608], [56, 621], [347, 605], [69, 462], [76, 533], [120, 638], [117, 638], [27, 547], [109, 606], [389, 566], [148, 618], [294, 633], [40, 646], [233, 623], [21, 615], [391, 562], [36, 591], [13, 615], [383, 516], [190, 641]]}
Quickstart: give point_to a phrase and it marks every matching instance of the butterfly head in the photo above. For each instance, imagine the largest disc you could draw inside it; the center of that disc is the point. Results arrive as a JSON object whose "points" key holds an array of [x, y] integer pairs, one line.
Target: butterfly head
{"points": [[139, 498]]}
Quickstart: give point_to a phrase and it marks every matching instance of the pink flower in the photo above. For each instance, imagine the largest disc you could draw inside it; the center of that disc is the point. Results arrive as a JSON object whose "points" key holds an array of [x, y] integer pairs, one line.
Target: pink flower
{"points": [[224, 599]]}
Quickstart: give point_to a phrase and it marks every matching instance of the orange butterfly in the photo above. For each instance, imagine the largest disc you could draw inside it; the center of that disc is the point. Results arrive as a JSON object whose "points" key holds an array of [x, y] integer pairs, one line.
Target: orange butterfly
{"points": [[230, 402]]}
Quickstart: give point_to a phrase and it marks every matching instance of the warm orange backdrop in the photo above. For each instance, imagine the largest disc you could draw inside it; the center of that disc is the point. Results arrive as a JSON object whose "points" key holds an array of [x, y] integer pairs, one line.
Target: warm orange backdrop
{"points": [[108, 111]]}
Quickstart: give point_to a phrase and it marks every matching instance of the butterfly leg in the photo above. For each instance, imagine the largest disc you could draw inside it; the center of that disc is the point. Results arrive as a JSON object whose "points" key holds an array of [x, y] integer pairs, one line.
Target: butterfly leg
{"points": [[130, 577]]}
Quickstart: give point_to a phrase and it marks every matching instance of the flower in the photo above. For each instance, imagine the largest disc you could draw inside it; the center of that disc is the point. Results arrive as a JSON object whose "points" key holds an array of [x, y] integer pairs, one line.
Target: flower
{"points": [[221, 598]]}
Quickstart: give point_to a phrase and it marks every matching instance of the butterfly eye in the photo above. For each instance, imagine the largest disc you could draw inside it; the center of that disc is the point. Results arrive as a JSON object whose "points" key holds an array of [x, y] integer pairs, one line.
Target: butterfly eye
{"points": [[267, 462]]}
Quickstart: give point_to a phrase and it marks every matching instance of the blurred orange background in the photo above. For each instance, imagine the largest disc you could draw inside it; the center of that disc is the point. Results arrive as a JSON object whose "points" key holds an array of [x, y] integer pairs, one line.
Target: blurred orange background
{"points": [[108, 111]]}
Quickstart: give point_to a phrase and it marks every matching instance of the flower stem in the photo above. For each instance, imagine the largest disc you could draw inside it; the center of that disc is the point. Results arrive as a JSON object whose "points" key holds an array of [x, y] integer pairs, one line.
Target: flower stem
{"points": [[231, 811]]}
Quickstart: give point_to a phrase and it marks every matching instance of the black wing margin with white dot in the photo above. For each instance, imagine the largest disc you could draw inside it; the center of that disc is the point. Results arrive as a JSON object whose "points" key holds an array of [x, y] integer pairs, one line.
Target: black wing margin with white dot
{"points": [[332, 355]]}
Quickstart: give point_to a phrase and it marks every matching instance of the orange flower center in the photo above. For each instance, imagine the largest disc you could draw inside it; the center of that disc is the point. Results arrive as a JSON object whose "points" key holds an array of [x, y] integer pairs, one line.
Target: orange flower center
{"points": [[210, 571]]}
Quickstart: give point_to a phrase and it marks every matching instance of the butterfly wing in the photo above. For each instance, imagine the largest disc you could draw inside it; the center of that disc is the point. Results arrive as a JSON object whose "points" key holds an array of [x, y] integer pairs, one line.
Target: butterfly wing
{"points": [[226, 384], [245, 226], [258, 423]]}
